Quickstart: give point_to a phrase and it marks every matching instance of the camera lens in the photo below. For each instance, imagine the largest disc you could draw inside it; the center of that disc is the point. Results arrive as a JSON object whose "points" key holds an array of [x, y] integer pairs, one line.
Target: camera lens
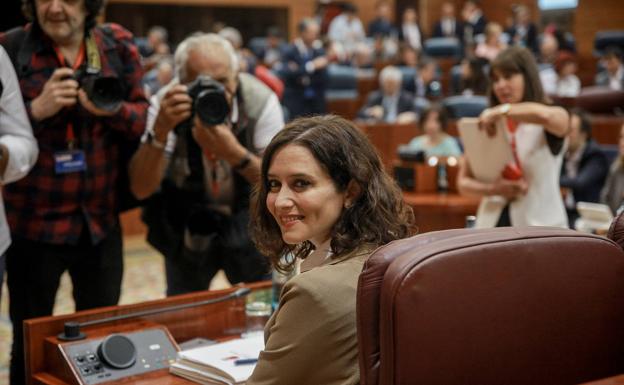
{"points": [[105, 92], [211, 106]]}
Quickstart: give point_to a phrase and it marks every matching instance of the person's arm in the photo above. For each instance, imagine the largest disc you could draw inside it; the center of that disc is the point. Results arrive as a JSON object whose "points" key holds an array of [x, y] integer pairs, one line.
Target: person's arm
{"points": [[18, 147], [147, 165], [592, 174], [554, 119], [468, 185]]}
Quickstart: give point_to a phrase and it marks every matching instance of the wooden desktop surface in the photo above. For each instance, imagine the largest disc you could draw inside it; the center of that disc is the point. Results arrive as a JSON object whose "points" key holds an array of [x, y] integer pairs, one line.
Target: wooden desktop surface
{"points": [[436, 211]]}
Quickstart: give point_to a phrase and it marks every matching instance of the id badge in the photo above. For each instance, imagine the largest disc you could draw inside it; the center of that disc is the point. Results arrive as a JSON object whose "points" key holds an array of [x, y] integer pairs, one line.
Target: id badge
{"points": [[69, 161]]}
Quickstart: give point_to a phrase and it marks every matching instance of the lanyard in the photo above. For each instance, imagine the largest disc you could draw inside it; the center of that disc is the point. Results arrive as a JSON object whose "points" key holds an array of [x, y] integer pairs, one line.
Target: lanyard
{"points": [[88, 50], [214, 182], [512, 128]]}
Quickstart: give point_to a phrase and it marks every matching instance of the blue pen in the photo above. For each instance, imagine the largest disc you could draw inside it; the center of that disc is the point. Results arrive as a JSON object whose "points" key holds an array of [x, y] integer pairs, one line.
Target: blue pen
{"points": [[245, 361]]}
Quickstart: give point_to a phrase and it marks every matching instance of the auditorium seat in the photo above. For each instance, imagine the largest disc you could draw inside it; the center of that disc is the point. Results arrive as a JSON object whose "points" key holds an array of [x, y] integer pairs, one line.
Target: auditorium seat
{"points": [[605, 39], [443, 47], [420, 104], [409, 76], [342, 92], [493, 306], [464, 106], [597, 99]]}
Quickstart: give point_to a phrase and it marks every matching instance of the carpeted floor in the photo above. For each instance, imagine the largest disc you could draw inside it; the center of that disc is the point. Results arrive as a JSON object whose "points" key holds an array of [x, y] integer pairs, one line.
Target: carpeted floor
{"points": [[144, 279]]}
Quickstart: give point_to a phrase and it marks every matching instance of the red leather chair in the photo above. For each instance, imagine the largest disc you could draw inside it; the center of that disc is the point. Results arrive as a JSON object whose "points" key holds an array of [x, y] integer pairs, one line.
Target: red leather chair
{"points": [[497, 306]]}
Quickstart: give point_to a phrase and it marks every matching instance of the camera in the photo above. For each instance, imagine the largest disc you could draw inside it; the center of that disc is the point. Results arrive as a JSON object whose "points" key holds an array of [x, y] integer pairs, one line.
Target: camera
{"points": [[209, 101], [105, 92]]}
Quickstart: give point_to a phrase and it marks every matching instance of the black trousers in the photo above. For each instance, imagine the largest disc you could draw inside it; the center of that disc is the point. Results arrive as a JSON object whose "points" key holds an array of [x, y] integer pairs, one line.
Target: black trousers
{"points": [[232, 250], [34, 270]]}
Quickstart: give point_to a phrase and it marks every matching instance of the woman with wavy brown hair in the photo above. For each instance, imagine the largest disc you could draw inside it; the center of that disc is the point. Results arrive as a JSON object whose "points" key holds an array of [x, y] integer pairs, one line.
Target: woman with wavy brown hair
{"points": [[324, 198]]}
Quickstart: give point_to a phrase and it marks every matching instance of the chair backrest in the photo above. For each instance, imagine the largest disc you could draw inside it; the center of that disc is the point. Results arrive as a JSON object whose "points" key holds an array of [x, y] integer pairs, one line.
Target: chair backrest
{"points": [[464, 106], [420, 104], [448, 47], [597, 99], [342, 82], [508, 305], [605, 39], [409, 76]]}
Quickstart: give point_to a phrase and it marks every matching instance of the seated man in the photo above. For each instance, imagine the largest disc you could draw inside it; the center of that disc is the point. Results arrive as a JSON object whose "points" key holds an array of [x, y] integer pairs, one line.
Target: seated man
{"points": [[204, 165], [390, 103], [584, 168], [613, 75]]}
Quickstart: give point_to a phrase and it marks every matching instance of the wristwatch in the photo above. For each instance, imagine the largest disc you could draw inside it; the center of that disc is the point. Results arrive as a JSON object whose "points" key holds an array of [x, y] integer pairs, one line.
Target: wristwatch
{"points": [[152, 141], [504, 109]]}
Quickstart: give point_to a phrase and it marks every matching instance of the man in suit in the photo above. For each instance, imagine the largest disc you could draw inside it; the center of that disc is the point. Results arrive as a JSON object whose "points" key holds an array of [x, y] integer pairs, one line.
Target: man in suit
{"points": [[523, 31], [474, 21], [382, 25], [584, 168], [613, 75], [390, 103], [448, 25], [304, 71]]}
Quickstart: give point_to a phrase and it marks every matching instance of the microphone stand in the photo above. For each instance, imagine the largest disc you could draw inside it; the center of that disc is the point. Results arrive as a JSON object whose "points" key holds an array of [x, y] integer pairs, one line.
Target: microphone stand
{"points": [[72, 331]]}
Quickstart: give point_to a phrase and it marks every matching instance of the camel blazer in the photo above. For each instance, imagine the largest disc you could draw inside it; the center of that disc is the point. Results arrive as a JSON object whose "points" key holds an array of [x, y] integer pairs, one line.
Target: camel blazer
{"points": [[311, 338]]}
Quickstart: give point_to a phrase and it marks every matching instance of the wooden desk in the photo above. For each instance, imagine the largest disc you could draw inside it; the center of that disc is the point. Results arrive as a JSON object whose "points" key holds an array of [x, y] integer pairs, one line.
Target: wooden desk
{"points": [[209, 321], [387, 137], [440, 211], [606, 128]]}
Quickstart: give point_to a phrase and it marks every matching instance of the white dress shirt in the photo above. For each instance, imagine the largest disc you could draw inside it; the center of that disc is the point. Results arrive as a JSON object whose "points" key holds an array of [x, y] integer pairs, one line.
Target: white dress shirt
{"points": [[16, 134]]}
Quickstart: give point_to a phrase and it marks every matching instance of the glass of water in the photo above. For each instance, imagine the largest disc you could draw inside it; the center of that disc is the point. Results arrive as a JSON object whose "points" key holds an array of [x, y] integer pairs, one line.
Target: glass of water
{"points": [[257, 310]]}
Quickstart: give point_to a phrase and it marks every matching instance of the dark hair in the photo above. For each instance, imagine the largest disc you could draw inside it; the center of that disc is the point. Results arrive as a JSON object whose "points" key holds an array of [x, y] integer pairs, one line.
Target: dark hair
{"points": [[477, 81], [93, 8], [442, 116], [377, 216], [518, 60], [584, 119], [613, 51], [303, 25]]}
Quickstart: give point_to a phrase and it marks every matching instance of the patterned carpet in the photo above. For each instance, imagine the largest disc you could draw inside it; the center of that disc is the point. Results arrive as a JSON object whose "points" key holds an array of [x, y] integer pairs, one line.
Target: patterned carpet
{"points": [[144, 279]]}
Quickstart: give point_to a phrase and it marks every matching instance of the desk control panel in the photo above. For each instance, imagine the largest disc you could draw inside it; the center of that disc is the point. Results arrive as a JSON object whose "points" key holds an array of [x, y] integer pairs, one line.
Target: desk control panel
{"points": [[120, 355]]}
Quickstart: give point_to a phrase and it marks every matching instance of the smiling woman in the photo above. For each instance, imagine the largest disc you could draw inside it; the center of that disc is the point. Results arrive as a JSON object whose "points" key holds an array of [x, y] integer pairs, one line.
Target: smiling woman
{"points": [[324, 197]]}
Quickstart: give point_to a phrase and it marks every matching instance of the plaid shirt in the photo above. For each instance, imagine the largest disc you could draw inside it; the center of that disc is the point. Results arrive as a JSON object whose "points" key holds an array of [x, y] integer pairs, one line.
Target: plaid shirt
{"points": [[54, 208]]}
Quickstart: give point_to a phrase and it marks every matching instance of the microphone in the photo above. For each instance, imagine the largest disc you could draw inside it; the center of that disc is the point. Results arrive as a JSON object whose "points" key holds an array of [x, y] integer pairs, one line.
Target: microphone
{"points": [[72, 331]]}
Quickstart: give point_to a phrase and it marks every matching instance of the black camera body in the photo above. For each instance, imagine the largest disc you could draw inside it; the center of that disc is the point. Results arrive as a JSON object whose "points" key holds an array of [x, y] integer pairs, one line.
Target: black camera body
{"points": [[105, 92]]}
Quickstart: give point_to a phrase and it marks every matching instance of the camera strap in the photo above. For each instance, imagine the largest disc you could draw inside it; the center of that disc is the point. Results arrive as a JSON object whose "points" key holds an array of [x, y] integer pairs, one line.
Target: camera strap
{"points": [[89, 50]]}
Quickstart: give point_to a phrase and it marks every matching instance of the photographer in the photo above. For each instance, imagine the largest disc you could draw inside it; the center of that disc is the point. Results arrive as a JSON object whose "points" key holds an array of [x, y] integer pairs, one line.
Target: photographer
{"points": [[81, 87], [199, 151]]}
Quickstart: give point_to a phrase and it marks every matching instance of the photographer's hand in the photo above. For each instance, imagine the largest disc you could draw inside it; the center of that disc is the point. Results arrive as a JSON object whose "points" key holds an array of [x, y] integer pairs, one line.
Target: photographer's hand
{"points": [[219, 141], [175, 108], [58, 92], [89, 106]]}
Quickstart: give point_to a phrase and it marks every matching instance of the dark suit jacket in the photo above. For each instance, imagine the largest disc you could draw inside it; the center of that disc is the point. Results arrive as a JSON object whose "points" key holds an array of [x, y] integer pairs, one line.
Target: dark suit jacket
{"points": [[405, 103], [473, 29], [591, 175], [298, 83], [380, 27], [459, 30], [530, 39]]}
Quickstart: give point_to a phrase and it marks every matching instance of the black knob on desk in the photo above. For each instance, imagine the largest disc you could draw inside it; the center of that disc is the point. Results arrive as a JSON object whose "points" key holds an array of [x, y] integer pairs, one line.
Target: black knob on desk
{"points": [[117, 351], [71, 332]]}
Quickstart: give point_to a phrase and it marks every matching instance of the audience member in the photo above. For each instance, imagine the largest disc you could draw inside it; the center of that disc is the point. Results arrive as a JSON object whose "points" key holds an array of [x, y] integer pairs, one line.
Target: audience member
{"points": [[363, 56], [527, 193], [568, 84], [613, 75], [549, 50], [408, 56], [612, 193], [158, 77], [523, 31], [425, 83], [204, 166], [409, 31], [157, 38], [271, 54], [493, 43], [304, 71], [449, 25], [390, 103], [70, 219], [382, 25], [473, 80], [18, 147], [434, 141], [246, 58], [323, 198], [585, 166], [474, 22], [347, 28]]}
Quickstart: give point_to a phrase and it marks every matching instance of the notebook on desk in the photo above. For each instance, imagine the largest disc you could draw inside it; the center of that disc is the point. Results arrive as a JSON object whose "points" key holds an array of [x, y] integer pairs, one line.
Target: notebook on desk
{"points": [[228, 363], [487, 156]]}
